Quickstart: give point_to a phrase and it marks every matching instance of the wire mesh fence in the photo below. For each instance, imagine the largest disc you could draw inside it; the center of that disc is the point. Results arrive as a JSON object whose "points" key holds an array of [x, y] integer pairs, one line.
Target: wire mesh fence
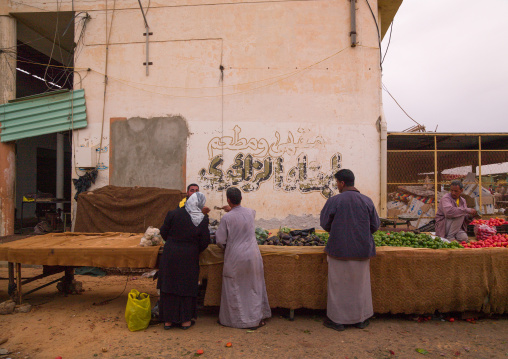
{"points": [[421, 167]]}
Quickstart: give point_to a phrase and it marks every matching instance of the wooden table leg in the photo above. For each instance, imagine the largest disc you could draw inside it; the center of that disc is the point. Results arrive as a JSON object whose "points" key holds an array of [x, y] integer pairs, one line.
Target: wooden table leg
{"points": [[69, 277], [11, 289], [18, 283]]}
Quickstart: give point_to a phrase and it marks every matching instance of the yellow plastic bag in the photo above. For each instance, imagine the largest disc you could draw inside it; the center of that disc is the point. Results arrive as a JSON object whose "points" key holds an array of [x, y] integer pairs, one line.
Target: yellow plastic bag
{"points": [[138, 311]]}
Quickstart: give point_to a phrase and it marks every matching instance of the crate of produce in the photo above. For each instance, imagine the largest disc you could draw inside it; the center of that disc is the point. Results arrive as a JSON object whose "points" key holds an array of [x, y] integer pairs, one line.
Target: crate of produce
{"points": [[502, 228], [500, 224]]}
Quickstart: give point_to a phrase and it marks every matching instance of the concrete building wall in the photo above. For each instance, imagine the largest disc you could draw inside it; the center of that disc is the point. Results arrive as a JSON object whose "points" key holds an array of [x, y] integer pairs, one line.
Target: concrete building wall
{"points": [[274, 97]]}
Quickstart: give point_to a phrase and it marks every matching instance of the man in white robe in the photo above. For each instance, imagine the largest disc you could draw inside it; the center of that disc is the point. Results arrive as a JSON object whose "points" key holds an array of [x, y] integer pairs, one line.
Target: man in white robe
{"points": [[244, 302]]}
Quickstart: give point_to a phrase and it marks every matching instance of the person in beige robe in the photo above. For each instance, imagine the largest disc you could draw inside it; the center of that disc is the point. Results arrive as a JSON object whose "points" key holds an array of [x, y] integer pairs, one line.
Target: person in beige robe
{"points": [[244, 301]]}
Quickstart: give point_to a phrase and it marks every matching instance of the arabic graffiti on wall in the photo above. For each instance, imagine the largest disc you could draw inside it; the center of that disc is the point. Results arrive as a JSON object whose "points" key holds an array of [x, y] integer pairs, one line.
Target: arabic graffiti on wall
{"points": [[261, 147], [265, 161]]}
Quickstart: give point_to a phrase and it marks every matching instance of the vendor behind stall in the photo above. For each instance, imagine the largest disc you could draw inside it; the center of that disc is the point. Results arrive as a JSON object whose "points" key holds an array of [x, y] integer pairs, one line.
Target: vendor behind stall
{"points": [[453, 215], [192, 188]]}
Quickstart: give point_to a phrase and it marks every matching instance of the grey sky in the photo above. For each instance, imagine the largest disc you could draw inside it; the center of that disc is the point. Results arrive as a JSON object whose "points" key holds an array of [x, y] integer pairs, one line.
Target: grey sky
{"points": [[447, 65]]}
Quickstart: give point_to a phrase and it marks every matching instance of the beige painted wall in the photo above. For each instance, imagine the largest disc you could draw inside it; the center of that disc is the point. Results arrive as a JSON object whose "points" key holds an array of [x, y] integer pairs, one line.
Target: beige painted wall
{"points": [[292, 87]]}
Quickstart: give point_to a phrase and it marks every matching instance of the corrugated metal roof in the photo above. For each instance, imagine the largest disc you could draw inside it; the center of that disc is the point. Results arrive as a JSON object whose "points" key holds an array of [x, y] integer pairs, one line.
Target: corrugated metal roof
{"points": [[43, 114]]}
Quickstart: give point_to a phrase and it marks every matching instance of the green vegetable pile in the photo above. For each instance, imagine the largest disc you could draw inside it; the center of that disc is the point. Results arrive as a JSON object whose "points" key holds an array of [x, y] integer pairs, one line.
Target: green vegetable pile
{"points": [[261, 235], [323, 237], [285, 230], [409, 239]]}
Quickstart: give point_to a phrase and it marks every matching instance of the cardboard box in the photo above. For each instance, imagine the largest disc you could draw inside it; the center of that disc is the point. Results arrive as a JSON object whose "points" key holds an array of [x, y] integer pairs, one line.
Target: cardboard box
{"points": [[485, 192], [396, 205], [470, 201], [428, 213], [394, 212], [487, 206], [415, 208], [469, 188]]}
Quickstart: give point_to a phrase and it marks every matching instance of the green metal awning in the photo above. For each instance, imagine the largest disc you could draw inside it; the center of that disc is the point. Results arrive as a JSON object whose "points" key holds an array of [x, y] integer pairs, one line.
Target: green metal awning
{"points": [[37, 115]]}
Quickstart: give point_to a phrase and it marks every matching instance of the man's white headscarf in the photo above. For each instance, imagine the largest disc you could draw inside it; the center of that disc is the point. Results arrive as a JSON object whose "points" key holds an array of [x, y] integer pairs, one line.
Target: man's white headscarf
{"points": [[194, 205]]}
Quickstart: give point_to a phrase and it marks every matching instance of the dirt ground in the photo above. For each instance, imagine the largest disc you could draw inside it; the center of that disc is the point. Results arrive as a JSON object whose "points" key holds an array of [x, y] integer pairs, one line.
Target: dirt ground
{"points": [[72, 327]]}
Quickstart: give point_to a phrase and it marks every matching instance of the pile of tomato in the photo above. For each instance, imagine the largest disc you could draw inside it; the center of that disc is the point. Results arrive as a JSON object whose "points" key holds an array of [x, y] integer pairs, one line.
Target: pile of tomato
{"points": [[497, 240], [493, 222]]}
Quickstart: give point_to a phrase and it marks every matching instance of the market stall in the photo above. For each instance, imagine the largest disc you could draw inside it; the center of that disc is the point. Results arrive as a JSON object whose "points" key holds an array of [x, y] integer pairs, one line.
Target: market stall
{"points": [[61, 252], [404, 280]]}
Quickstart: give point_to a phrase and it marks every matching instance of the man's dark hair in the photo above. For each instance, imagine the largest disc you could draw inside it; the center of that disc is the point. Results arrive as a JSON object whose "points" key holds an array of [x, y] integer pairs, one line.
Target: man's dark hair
{"points": [[192, 184], [457, 183], [346, 176], [234, 195]]}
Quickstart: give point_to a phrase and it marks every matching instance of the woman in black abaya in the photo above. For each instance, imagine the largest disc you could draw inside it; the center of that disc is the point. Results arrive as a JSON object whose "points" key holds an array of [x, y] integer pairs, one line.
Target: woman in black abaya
{"points": [[186, 233]]}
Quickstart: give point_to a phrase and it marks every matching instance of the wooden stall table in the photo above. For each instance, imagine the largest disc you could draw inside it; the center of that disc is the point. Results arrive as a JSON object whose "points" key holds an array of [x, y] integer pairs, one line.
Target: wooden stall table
{"points": [[61, 252], [404, 280]]}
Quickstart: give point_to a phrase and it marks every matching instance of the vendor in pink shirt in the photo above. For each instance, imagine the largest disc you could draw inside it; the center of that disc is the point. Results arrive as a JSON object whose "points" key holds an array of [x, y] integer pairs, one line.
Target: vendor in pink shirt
{"points": [[453, 215]]}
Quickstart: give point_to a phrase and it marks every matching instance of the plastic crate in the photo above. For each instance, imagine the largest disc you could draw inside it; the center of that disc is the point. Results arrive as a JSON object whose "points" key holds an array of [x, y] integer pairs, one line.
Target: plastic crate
{"points": [[502, 229]]}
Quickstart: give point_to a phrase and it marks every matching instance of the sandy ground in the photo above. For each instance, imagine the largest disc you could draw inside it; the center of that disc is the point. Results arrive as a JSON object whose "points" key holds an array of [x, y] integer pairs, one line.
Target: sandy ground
{"points": [[72, 327]]}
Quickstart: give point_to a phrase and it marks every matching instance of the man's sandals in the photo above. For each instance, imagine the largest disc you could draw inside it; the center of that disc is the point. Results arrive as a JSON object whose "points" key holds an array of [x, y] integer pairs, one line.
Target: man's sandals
{"points": [[332, 325], [340, 327], [261, 324]]}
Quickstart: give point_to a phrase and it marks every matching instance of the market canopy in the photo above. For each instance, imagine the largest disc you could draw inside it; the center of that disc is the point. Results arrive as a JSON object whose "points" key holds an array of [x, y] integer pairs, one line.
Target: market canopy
{"points": [[411, 155]]}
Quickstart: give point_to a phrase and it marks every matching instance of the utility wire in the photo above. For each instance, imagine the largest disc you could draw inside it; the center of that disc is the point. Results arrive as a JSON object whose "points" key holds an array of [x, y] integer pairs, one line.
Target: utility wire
{"points": [[384, 88], [107, 301], [108, 37], [378, 35], [189, 88], [53, 44], [389, 40], [276, 79], [244, 91]]}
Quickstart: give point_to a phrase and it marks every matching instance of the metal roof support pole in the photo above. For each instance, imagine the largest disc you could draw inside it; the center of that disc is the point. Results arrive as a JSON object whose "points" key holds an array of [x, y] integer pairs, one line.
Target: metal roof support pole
{"points": [[353, 23], [384, 165], [435, 174], [480, 171], [7, 150], [59, 169], [147, 33], [147, 57]]}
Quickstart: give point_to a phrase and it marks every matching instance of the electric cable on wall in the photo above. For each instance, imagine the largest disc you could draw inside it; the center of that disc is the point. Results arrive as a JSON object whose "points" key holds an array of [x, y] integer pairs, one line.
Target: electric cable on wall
{"points": [[389, 40]]}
